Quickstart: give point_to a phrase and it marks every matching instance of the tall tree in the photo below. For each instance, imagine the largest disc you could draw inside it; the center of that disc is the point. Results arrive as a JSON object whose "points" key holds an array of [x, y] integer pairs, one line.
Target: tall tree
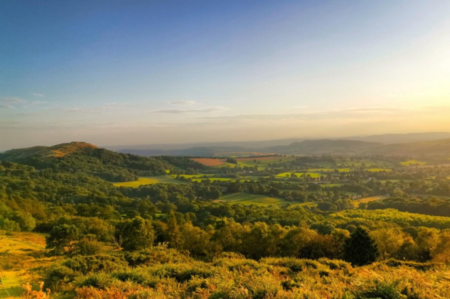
{"points": [[360, 249], [137, 234], [62, 239]]}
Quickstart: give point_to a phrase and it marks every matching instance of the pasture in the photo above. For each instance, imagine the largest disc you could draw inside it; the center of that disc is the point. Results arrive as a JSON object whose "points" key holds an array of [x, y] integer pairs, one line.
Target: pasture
{"points": [[148, 181], [378, 169], [259, 200], [329, 169], [413, 163], [299, 175], [367, 199], [251, 199]]}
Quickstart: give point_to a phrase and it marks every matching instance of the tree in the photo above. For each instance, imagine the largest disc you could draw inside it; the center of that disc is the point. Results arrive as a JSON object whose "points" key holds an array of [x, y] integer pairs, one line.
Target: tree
{"points": [[62, 239], [137, 234], [88, 246], [360, 249], [173, 231], [388, 240]]}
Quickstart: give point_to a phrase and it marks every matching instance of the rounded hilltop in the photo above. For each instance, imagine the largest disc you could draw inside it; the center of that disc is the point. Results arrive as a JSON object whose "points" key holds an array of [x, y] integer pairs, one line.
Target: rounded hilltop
{"points": [[59, 150], [70, 148]]}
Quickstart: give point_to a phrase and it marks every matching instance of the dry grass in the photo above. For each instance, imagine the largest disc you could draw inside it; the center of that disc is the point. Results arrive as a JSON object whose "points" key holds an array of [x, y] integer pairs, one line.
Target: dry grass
{"points": [[20, 252], [368, 199]]}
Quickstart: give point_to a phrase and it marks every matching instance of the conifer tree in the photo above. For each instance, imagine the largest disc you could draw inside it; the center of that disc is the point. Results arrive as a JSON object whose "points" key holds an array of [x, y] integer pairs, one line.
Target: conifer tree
{"points": [[360, 249]]}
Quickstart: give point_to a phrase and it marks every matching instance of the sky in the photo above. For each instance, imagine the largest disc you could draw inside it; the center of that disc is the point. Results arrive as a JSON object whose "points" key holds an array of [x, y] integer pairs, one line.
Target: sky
{"points": [[145, 72]]}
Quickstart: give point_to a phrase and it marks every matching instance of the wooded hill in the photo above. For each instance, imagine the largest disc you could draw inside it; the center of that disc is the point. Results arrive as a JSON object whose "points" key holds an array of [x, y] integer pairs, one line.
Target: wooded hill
{"points": [[88, 158]]}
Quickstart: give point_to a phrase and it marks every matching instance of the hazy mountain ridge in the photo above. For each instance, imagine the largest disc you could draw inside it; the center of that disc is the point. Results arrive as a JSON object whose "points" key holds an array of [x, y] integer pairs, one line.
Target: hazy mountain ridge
{"points": [[324, 145]]}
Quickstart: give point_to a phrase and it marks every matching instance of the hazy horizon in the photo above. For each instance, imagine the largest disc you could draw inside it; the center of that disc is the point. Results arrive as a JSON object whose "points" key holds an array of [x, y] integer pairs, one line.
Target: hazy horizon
{"points": [[116, 72]]}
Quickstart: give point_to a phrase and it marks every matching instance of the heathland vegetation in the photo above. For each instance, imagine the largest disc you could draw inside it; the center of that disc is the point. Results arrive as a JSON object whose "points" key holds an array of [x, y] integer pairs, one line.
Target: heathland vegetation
{"points": [[91, 223]]}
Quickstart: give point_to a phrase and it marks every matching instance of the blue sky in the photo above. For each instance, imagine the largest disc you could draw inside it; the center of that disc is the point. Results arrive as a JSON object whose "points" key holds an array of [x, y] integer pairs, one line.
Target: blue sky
{"points": [[137, 72]]}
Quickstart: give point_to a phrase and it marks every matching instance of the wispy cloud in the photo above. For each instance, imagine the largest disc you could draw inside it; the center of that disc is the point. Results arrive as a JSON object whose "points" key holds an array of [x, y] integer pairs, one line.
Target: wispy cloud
{"points": [[183, 102], [202, 110], [11, 102], [39, 95]]}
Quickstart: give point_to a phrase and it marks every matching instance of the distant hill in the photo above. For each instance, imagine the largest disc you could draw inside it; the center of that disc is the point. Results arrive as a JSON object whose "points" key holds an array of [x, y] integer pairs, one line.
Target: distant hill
{"points": [[59, 150], [348, 147], [424, 148], [210, 145], [88, 158], [326, 146], [402, 138], [194, 151], [205, 149]]}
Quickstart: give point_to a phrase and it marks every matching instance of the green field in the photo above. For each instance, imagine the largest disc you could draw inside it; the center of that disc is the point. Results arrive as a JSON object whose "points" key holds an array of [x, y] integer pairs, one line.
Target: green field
{"points": [[214, 180], [378, 169], [329, 169], [299, 174], [412, 162], [226, 164], [252, 199], [260, 200], [192, 176], [366, 162], [324, 164], [148, 181], [262, 163], [330, 185]]}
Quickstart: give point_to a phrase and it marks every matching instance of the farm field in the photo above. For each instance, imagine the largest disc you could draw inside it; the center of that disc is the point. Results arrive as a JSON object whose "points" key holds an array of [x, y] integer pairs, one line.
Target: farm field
{"points": [[262, 162], [226, 164], [192, 176], [209, 161], [214, 180], [251, 199], [378, 169], [329, 169], [364, 162], [367, 199], [148, 181], [413, 163], [299, 174], [330, 185]]}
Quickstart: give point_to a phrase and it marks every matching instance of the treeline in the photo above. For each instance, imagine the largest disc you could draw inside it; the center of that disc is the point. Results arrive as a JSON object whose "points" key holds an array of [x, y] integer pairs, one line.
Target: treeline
{"points": [[428, 206]]}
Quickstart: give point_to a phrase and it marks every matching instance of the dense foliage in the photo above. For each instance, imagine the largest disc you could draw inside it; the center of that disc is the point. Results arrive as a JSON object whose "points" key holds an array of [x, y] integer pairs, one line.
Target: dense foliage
{"points": [[183, 240]]}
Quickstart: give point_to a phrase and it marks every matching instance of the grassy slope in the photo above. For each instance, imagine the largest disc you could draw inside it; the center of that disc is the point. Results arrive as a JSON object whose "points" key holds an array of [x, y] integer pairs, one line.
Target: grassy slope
{"points": [[148, 181], [16, 261], [255, 199], [367, 199], [412, 162]]}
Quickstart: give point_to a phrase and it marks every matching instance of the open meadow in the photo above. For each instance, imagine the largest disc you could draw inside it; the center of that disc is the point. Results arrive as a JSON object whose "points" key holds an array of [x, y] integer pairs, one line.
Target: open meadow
{"points": [[148, 181]]}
